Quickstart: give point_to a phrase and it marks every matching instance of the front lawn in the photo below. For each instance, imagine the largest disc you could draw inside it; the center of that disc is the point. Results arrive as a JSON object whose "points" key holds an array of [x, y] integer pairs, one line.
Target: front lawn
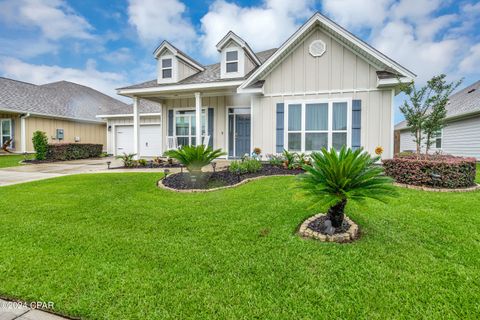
{"points": [[113, 246], [12, 160]]}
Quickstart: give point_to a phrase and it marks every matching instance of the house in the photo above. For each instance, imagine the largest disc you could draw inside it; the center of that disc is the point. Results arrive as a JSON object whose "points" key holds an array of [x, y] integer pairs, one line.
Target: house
{"points": [[323, 87], [461, 134], [65, 111]]}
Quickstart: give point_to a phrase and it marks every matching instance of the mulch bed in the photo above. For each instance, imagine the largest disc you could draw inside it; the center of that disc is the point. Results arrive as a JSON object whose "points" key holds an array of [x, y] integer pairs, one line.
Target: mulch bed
{"points": [[210, 180], [318, 225]]}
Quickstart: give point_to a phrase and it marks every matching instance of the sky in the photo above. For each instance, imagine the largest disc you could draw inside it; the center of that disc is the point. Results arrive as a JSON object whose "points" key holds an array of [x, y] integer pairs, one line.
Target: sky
{"points": [[110, 44]]}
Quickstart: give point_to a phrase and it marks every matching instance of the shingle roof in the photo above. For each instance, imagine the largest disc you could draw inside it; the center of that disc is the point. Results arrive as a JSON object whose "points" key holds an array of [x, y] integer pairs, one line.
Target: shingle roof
{"points": [[463, 102], [210, 74], [58, 99]]}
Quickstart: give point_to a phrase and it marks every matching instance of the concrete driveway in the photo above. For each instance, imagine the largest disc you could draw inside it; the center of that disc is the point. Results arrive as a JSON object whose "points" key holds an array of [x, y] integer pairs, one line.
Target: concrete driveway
{"points": [[33, 172]]}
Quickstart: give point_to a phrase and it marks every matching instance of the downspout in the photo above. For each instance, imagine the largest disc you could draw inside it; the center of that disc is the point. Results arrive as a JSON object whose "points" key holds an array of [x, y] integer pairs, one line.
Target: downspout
{"points": [[23, 132]]}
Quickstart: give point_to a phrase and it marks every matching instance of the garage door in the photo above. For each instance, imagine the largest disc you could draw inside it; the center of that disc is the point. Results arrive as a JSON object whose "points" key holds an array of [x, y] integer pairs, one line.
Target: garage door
{"points": [[150, 140]]}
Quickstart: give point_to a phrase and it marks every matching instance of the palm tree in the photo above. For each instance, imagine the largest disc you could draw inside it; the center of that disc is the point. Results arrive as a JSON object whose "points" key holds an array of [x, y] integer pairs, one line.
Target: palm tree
{"points": [[194, 158], [334, 177]]}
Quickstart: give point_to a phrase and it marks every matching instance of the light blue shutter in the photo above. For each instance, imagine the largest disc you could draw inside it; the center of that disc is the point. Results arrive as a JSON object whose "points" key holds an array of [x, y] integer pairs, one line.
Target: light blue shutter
{"points": [[210, 126], [356, 124], [280, 126], [170, 123]]}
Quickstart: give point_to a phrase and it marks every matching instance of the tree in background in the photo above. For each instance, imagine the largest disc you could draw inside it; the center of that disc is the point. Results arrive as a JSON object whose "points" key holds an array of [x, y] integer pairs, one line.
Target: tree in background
{"points": [[425, 110], [40, 144]]}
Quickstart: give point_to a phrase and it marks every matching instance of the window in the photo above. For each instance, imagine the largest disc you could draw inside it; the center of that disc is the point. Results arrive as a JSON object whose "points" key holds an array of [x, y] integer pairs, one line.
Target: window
{"points": [[5, 130], [314, 125], [232, 61], [438, 139], [167, 68], [185, 126]]}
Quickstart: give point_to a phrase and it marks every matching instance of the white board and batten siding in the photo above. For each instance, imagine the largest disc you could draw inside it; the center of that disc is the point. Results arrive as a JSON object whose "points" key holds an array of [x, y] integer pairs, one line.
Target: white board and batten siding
{"points": [[338, 73], [459, 138]]}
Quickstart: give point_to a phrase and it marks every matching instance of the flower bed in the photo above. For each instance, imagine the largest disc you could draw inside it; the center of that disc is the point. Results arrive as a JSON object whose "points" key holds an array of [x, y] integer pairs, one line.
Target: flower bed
{"points": [[436, 171], [211, 180]]}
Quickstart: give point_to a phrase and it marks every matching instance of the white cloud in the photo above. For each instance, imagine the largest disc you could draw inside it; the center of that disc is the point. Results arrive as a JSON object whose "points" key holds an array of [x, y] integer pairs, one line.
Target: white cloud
{"points": [[118, 56], [155, 21], [54, 18], [105, 82], [263, 27], [470, 63]]}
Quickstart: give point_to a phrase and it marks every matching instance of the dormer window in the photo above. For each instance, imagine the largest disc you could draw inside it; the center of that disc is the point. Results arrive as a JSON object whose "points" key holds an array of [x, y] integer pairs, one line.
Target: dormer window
{"points": [[167, 68], [232, 61]]}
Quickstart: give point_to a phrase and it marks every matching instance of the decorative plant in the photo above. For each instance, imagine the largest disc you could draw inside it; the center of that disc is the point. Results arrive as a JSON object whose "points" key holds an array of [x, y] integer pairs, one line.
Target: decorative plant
{"points": [[142, 162], [245, 166], [275, 160], [40, 144], [127, 159], [290, 159], [379, 150], [335, 177], [194, 158]]}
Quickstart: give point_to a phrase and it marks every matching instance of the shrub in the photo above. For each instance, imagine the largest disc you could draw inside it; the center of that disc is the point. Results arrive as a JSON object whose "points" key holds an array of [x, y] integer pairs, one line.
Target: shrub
{"points": [[439, 171], [245, 166], [40, 144], [73, 151], [142, 162], [276, 160], [127, 159], [194, 158], [335, 177]]}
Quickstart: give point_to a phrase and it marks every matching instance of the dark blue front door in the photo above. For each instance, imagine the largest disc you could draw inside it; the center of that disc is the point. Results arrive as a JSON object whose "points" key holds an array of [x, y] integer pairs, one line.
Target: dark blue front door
{"points": [[239, 135]]}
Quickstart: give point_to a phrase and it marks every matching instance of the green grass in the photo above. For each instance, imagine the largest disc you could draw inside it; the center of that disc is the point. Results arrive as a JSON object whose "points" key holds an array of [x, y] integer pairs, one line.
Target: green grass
{"points": [[113, 246], [11, 160]]}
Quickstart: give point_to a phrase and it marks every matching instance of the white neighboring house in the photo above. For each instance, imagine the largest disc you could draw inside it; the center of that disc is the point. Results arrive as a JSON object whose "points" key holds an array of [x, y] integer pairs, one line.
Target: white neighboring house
{"points": [[461, 134], [323, 87]]}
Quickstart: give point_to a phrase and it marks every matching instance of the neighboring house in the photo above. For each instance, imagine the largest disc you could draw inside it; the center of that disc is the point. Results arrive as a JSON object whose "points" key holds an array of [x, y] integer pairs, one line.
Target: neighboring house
{"points": [[461, 134], [65, 111], [323, 87]]}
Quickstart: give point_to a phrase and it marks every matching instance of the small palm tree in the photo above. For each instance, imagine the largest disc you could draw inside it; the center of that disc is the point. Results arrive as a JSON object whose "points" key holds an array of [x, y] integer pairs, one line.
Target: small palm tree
{"points": [[194, 158], [334, 177]]}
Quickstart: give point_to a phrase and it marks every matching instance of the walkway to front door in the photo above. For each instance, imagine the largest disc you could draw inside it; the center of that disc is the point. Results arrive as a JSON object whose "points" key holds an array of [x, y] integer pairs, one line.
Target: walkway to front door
{"points": [[238, 132]]}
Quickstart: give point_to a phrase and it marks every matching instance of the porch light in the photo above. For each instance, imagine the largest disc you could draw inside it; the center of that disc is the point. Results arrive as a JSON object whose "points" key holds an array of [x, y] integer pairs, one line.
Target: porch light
{"points": [[166, 172], [108, 164], [214, 165]]}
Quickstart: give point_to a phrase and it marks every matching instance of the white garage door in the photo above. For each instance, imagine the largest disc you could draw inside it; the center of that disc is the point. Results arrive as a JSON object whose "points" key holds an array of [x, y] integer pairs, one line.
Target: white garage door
{"points": [[150, 140]]}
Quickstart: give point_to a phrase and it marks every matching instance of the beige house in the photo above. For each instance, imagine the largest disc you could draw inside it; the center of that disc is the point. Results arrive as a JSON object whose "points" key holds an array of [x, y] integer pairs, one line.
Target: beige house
{"points": [[65, 111], [323, 87]]}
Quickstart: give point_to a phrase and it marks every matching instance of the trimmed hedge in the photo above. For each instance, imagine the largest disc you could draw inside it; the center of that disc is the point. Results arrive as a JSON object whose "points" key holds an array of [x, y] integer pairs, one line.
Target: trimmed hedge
{"points": [[73, 151], [438, 171]]}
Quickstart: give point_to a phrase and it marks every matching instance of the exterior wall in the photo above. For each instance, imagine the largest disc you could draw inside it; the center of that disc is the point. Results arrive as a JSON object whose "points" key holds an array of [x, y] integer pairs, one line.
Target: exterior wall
{"points": [[337, 69], [184, 70], [88, 132], [376, 126], [16, 129], [459, 138], [249, 64], [125, 121]]}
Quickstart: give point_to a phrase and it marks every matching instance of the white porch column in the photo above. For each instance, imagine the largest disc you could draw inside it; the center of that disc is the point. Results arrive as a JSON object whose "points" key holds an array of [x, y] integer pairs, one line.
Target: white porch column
{"points": [[136, 129], [23, 132], [198, 118]]}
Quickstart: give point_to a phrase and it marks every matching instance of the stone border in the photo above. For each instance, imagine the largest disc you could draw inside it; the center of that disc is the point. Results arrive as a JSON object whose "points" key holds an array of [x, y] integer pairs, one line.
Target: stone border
{"points": [[409, 186], [162, 186], [351, 234]]}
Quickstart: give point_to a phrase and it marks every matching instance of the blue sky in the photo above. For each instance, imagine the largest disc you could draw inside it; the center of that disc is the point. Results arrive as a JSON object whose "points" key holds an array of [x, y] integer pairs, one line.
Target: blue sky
{"points": [[108, 44]]}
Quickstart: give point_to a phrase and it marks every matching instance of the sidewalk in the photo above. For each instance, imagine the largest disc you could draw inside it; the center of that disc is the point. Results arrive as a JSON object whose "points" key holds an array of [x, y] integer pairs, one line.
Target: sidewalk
{"points": [[14, 311]]}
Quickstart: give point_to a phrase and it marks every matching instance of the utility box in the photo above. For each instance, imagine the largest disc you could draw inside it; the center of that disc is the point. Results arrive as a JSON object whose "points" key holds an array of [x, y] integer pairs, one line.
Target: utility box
{"points": [[60, 134]]}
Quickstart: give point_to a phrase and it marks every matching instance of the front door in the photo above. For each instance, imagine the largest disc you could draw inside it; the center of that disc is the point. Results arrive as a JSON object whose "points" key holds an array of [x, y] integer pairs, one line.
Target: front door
{"points": [[242, 135]]}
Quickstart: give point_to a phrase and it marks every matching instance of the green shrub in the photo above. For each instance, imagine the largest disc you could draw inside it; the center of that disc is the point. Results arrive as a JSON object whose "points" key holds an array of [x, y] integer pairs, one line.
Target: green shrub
{"points": [[40, 144], [73, 151], [127, 159], [142, 162], [245, 166], [276, 160], [194, 158], [335, 177]]}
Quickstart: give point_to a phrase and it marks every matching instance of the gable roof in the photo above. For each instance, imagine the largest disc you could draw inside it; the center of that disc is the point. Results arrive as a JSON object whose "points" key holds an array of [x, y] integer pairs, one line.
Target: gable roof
{"points": [[178, 53], [232, 36], [58, 99], [210, 74], [464, 102], [341, 34]]}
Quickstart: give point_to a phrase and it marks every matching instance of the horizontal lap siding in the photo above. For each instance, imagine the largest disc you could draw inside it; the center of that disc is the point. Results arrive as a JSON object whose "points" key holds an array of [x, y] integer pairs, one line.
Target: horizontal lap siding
{"points": [[462, 138]]}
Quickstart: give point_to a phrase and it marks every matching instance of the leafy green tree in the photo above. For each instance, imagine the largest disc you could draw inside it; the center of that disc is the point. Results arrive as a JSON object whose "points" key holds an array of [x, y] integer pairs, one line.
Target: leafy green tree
{"points": [[425, 110], [335, 177], [194, 158], [40, 144]]}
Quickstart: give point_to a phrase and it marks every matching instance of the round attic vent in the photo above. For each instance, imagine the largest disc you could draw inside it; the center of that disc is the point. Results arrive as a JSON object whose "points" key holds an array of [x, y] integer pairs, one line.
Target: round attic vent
{"points": [[317, 48]]}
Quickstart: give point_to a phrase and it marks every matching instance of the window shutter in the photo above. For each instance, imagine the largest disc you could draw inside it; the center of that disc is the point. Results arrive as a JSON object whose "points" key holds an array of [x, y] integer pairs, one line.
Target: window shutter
{"points": [[356, 124], [280, 127], [170, 123], [210, 126]]}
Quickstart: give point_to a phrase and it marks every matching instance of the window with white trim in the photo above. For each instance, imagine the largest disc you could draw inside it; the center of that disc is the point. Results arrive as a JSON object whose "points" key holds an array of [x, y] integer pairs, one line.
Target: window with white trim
{"points": [[5, 130], [167, 68], [185, 126], [231, 60], [313, 125], [437, 137]]}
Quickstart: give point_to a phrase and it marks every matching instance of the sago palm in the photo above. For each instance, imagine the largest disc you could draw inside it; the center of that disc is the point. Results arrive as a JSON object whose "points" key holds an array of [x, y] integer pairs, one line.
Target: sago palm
{"points": [[335, 177], [194, 158]]}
